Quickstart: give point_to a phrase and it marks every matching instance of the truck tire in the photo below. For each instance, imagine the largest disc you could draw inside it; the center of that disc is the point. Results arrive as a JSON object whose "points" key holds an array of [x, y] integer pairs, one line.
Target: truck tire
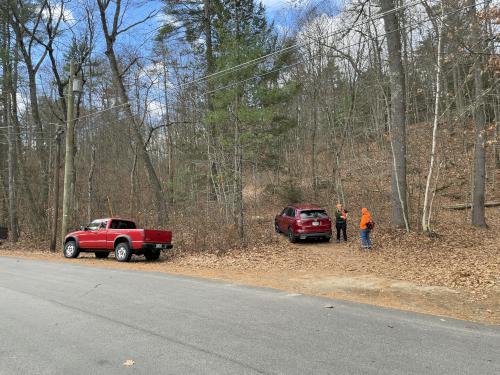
{"points": [[152, 254], [71, 250], [101, 254], [123, 252]]}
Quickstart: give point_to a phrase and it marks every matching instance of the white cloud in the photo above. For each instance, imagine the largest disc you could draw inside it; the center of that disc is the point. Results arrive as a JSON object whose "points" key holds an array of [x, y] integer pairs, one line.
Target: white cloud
{"points": [[278, 4], [21, 102], [164, 18], [155, 110], [57, 10], [274, 5]]}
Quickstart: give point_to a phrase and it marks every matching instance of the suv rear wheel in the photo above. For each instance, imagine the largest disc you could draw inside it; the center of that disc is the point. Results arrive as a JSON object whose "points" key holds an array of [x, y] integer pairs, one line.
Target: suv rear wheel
{"points": [[123, 252], [291, 236]]}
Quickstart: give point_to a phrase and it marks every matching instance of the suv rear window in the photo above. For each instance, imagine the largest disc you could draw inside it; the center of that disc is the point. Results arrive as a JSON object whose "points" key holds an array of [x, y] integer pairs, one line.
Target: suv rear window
{"points": [[313, 214]]}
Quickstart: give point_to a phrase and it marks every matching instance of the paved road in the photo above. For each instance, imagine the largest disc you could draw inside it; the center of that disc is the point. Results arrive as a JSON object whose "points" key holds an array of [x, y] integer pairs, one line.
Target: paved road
{"points": [[59, 318]]}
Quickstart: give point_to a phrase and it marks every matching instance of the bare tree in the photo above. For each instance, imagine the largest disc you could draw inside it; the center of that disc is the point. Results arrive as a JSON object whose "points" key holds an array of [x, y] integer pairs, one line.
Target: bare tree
{"points": [[398, 114], [111, 33], [479, 169], [426, 215], [11, 135]]}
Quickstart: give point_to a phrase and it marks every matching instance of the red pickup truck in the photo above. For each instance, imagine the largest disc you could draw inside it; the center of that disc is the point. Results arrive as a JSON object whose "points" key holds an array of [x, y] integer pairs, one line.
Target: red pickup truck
{"points": [[103, 236]]}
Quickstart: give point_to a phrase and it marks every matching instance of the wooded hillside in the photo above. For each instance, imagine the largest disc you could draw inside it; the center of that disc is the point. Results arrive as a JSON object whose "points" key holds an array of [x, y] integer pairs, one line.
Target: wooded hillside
{"points": [[206, 116]]}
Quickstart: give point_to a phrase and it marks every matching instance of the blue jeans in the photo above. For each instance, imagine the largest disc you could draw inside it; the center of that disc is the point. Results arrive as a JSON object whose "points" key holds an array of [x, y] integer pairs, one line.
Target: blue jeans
{"points": [[366, 242]]}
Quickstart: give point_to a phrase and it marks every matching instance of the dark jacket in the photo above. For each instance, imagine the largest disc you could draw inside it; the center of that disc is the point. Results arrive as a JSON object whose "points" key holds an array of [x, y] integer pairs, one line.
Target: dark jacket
{"points": [[340, 216]]}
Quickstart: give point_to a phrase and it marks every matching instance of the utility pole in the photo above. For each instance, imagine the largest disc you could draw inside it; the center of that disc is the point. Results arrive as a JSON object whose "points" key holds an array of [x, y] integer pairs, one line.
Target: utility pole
{"points": [[69, 164], [55, 217]]}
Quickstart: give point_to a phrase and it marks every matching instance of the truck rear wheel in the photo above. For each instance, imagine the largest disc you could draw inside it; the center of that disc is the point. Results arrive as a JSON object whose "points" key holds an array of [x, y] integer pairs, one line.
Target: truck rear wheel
{"points": [[101, 254], [152, 254], [123, 252]]}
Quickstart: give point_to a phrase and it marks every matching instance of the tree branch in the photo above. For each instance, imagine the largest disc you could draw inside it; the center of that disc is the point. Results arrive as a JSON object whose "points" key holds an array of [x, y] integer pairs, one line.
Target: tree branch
{"points": [[154, 128]]}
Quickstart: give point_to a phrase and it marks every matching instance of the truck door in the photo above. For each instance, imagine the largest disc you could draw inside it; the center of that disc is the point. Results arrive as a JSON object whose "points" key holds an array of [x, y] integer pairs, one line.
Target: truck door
{"points": [[86, 238], [113, 232], [99, 239]]}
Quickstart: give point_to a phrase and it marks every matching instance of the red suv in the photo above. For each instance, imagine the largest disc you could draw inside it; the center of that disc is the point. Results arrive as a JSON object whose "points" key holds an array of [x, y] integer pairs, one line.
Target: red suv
{"points": [[301, 221]]}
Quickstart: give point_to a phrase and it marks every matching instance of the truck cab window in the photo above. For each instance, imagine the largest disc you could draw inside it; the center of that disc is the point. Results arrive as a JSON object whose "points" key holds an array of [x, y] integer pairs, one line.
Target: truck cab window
{"points": [[93, 225], [122, 224]]}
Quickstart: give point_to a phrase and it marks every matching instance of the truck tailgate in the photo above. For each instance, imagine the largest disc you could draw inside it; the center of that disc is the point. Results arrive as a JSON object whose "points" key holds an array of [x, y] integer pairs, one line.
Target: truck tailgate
{"points": [[157, 236]]}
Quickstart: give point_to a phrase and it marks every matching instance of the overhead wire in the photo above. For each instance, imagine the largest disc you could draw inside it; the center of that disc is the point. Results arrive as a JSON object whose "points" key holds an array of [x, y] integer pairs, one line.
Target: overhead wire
{"points": [[407, 26], [253, 61], [242, 65], [297, 45]]}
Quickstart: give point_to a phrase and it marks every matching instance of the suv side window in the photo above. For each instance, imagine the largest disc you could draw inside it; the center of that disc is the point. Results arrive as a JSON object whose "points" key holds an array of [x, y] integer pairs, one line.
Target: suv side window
{"points": [[103, 225], [291, 212]]}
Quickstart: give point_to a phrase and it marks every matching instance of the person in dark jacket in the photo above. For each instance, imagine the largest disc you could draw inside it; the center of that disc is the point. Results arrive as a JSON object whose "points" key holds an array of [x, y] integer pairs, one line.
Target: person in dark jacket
{"points": [[341, 222]]}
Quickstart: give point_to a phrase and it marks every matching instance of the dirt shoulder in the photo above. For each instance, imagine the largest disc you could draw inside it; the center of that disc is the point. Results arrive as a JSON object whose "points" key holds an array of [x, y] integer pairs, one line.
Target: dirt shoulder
{"points": [[423, 282]]}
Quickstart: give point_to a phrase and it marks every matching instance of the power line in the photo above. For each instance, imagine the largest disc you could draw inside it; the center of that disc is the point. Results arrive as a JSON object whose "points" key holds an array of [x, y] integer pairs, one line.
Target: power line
{"points": [[296, 45], [201, 95], [338, 49], [253, 61]]}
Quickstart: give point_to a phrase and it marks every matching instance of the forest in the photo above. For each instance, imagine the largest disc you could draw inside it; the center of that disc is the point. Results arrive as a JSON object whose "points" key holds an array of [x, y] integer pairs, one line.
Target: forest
{"points": [[208, 116]]}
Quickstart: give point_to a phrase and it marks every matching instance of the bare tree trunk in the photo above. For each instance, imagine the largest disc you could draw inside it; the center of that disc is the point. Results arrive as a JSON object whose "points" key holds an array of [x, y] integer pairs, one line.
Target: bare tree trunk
{"points": [[495, 102], [171, 167], [496, 154], [313, 146], [459, 101], [398, 115], [238, 215], [238, 173], [132, 185], [426, 215], [12, 160], [90, 184], [11, 136], [479, 187], [168, 131]]}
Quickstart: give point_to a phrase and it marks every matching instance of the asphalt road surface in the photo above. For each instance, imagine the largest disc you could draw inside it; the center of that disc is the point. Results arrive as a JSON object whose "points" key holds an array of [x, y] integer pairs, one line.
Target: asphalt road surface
{"points": [[60, 318]]}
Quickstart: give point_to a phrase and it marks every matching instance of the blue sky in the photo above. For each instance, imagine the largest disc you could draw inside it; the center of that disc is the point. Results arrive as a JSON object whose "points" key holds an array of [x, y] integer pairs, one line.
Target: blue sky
{"points": [[283, 13], [279, 11]]}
